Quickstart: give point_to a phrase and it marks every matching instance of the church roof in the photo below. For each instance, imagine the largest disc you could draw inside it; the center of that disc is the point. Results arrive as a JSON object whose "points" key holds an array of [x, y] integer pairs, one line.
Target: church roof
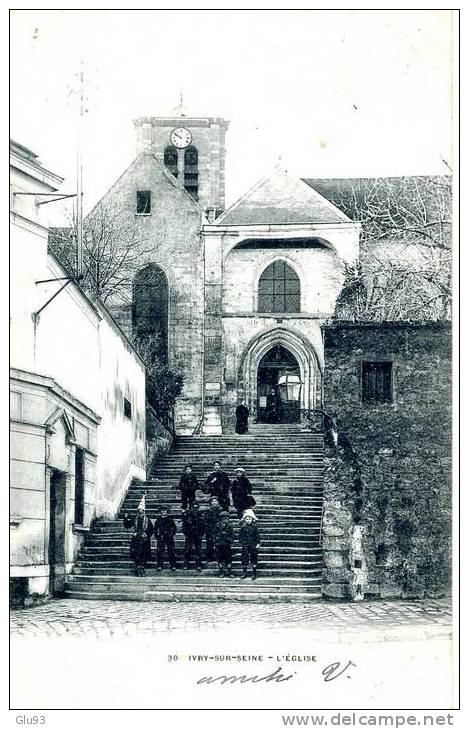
{"points": [[354, 196], [281, 198]]}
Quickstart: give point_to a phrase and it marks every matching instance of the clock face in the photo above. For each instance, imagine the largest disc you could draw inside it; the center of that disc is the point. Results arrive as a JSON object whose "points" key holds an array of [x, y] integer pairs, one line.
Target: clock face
{"points": [[180, 138]]}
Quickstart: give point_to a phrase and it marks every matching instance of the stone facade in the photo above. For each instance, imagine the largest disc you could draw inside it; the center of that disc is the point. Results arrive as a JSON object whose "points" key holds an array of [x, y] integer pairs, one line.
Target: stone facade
{"points": [[168, 236], [217, 335], [208, 137], [314, 239], [390, 473]]}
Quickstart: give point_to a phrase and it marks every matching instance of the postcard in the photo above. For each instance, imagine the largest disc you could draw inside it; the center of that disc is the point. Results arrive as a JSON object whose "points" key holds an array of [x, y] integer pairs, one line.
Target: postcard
{"points": [[231, 367]]}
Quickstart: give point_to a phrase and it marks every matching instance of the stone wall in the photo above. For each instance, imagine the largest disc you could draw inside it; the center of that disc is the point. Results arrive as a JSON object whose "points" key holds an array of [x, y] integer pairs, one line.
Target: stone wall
{"points": [[169, 237], [387, 517], [159, 439], [208, 136], [318, 268]]}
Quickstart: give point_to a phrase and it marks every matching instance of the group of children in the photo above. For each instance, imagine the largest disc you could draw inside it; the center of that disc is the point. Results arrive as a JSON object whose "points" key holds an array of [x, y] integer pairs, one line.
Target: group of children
{"points": [[213, 523]]}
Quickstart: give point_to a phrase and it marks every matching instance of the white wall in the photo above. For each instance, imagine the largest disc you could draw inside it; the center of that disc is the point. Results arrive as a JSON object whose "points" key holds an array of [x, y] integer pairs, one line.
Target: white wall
{"points": [[72, 359], [121, 441]]}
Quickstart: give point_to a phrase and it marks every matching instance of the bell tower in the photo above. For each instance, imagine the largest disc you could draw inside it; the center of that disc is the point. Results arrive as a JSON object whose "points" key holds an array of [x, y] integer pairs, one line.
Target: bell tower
{"points": [[193, 150]]}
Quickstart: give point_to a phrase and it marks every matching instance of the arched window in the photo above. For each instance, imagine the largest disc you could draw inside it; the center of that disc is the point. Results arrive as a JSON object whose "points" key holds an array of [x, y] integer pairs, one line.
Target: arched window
{"points": [[191, 171], [279, 289], [171, 160], [150, 305]]}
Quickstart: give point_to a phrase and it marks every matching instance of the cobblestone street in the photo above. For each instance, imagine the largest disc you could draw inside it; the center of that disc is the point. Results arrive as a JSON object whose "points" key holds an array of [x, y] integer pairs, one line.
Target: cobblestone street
{"points": [[106, 619]]}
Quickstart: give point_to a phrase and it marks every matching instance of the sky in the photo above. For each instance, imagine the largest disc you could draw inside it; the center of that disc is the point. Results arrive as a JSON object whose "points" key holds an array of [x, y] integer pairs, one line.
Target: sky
{"points": [[335, 93]]}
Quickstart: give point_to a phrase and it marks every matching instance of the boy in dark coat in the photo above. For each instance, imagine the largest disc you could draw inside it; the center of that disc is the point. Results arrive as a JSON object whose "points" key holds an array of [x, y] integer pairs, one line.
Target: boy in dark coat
{"points": [[193, 527], [241, 489], [212, 514], [224, 536], [140, 545], [249, 539], [165, 539], [188, 485], [128, 521], [218, 484]]}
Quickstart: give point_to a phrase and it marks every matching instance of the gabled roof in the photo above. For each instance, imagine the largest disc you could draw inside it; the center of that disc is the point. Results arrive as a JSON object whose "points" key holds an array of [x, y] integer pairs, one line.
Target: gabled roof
{"points": [[353, 195], [60, 414], [281, 198], [159, 167]]}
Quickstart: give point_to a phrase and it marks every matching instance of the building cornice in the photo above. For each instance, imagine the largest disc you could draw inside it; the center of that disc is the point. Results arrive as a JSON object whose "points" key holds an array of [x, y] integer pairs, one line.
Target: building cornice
{"points": [[27, 223], [262, 229], [279, 315], [35, 170], [49, 383], [178, 121]]}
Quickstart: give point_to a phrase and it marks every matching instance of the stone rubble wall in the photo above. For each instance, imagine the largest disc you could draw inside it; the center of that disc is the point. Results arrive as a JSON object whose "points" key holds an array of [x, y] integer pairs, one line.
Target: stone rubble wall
{"points": [[390, 472]]}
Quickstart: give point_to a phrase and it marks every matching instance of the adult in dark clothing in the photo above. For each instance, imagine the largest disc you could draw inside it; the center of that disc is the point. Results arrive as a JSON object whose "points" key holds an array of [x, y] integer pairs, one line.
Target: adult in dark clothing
{"points": [[218, 484], [211, 515], [249, 539], [241, 490], [165, 539], [242, 415], [193, 527], [272, 414], [224, 536], [188, 485], [140, 545]]}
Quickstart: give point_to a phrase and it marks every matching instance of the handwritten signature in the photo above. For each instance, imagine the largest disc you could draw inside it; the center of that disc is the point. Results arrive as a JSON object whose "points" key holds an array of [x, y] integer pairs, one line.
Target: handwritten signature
{"points": [[330, 673]]}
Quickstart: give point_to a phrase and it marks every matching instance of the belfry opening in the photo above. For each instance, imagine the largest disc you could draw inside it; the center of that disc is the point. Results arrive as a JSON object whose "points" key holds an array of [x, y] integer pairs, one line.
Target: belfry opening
{"points": [[278, 387]]}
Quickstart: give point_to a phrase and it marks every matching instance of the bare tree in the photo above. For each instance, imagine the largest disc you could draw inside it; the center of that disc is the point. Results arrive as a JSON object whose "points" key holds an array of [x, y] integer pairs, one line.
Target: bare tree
{"points": [[113, 250], [404, 272]]}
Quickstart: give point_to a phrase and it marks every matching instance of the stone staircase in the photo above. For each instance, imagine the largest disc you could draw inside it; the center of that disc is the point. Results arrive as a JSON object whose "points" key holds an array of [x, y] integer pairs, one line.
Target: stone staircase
{"points": [[285, 466]]}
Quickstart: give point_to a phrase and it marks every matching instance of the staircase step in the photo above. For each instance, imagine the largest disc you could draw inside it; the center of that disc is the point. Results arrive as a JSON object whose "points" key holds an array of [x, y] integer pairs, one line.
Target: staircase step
{"points": [[285, 464], [191, 596]]}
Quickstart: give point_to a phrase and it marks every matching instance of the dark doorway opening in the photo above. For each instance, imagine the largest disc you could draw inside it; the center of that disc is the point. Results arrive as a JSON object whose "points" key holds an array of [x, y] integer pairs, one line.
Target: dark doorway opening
{"points": [[57, 533], [272, 406]]}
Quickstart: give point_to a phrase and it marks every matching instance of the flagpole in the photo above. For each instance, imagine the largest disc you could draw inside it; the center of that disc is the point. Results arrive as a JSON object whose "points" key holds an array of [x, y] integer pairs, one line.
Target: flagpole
{"points": [[80, 175]]}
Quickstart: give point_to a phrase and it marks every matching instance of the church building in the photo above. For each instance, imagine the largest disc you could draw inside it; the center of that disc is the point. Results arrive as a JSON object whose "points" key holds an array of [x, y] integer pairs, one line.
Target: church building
{"points": [[246, 304], [239, 294]]}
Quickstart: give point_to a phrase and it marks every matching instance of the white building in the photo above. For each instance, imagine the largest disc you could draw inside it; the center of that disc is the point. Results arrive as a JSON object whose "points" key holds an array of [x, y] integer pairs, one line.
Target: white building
{"points": [[77, 398]]}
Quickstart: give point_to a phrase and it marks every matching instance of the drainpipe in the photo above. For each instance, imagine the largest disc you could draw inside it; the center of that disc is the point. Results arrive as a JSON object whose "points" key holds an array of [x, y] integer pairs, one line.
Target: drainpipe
{"points": [[202, 394], [323, 369]]}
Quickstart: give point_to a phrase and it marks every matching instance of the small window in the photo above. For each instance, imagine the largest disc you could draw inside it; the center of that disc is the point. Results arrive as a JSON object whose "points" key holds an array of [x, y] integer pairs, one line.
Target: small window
{"points": [[79, 485], [171, 160], [376, 381], [127, 409], [191, 172], [143, 202]]}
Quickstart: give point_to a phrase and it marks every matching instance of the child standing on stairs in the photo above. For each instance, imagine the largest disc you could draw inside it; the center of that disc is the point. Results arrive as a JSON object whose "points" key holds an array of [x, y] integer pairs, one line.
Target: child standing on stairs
{"points": [[140, 545], [211, 515], [249, 539], [224, 536], [241, 492], [165, 539], [193, 530], [218, 484], [188, 485]]}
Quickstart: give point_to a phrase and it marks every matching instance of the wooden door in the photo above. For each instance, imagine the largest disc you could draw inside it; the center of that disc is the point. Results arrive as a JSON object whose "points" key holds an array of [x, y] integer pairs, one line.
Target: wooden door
{"points": [[57, 533]]}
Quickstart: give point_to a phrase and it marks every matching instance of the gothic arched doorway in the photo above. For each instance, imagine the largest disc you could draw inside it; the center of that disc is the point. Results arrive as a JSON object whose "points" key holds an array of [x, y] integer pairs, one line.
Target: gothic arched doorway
{"points": [[278, 402], [300, 361]]}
